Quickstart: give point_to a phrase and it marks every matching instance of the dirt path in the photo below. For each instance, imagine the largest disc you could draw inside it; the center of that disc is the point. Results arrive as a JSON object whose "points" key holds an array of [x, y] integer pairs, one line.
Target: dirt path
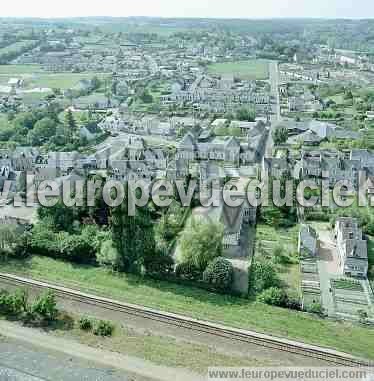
{"points": [[145, 369]]}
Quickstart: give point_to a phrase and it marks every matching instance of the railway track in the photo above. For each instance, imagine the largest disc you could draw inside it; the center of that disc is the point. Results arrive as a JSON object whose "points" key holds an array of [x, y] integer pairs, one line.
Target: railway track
{"points": [[197, 326]]}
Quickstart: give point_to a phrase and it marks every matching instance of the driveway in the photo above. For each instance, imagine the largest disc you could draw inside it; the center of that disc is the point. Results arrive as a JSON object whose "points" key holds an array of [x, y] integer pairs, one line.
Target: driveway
{"points": [[328, 269]]}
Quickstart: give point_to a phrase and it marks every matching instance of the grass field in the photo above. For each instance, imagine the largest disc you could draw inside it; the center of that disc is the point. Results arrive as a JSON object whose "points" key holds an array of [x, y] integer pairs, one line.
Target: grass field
{"points": [[245, 70], [201, 304], [59, 80], [165, 351], [3, 121], [35, 77]]}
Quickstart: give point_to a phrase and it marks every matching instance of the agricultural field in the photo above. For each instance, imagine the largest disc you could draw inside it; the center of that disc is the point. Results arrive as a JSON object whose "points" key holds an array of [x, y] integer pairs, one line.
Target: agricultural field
{"points": [[34, 77], [245, 70], [194, 302]]}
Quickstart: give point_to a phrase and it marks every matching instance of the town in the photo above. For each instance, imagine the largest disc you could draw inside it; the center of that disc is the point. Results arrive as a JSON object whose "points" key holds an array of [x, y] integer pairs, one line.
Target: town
{"points": [[220, 102]]}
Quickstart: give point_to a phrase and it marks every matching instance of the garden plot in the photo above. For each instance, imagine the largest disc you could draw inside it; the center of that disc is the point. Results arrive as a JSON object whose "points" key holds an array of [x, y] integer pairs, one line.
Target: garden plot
{"points": [[350, 298]]}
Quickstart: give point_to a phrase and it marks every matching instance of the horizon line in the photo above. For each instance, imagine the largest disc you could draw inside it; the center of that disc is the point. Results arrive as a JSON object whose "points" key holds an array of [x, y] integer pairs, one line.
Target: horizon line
{"points": [[266, 18]]}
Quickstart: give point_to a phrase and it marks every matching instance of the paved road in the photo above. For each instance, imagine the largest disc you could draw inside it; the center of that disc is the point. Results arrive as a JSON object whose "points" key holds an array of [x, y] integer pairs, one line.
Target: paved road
{"points": [[276, 117], [20, 361], [327, 266], [55, 358]]}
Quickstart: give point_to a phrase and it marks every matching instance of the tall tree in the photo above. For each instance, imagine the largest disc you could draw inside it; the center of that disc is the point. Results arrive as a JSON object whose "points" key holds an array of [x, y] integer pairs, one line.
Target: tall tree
{"points": [[70, 124], [133, 236]]}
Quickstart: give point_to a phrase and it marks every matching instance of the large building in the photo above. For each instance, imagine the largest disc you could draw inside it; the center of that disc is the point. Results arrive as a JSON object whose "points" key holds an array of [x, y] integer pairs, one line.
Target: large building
{"points": [[352, 249]]}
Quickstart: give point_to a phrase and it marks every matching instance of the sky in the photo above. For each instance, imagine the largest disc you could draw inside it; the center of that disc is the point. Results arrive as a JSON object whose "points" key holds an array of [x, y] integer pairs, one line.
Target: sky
{"points": [[189, 8]]}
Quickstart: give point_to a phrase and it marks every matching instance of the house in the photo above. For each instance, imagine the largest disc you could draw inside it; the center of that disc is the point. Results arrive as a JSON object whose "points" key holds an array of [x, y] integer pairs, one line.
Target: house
{"points": [[351, 247], [329, 164], [24, 158], [219, 123], [113, 125], [365, 157], [227, 150], [233, 220], [155, 158], [248, 127], [65, 161], [370, 115], [309, 138], [276, 168], [313, 132], [45, 174], [308, 242], [15, 83]]}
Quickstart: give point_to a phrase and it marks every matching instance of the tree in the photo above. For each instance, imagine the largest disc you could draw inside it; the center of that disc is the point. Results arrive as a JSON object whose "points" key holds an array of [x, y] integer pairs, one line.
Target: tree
{"points": [[146, 97], [201, 242], [61, 216], [280, 135], [108, 255], [24, 120], [46, 306], [245, 114], [95, 83], [133, 236], [263, 276], [70, 122], [8, 236], [43, 130], [219, 274]]}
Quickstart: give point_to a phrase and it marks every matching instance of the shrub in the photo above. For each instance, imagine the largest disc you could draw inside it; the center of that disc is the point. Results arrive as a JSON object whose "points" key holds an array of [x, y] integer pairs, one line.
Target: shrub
{"points": [[263, 276], [45, 306], [159, 264], [293, 303], [108, 255], [315, 308], [21, 248], [62, 245], [85, 324], [104, 328], [13, 304], [219, 274], [187, 271], [274, 296], [363, 316], [279, 255], [6, 305]]}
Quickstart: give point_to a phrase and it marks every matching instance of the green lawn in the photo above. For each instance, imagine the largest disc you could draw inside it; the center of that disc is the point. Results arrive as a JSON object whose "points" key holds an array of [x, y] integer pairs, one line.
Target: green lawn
{"points": [[4, 121], [201, 304], [59, 80], [165, 351], [246, 70], [34, 77]]}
